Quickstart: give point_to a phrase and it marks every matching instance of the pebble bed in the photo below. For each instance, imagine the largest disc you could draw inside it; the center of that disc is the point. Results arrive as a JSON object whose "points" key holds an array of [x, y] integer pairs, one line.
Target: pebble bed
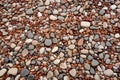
{"points": [[59, 39]]}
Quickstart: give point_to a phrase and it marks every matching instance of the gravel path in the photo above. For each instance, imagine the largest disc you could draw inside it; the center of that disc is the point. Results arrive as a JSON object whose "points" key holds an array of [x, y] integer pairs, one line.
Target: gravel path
{"points": [[59, 39]]}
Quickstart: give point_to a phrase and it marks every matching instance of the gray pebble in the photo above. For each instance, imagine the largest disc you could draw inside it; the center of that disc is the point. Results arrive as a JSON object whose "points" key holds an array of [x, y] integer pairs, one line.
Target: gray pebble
{"points": [[61, 18], [94, 62], [30, 77], [73, 9], [52, 34], [92, 71], [90, 57], [41, 9], [30, 34], [30, 47], [81, 60], [48, 42], [24, 72], [102, 12], [54, 40], [108, 44], [96, 37], [107, 36], [101, 55], [87, 66], [29, 11]]}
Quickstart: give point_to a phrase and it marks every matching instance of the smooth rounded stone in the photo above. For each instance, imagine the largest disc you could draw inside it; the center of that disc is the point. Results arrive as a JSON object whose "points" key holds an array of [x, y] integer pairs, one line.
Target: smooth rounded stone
{"points": [[57, 61], [117, 35], [61, 18], [63, 65], [80, 42], [94, 63], [101, 55], [90, 57], [66, 78], [85, 24], [17, 48], [34, 42], [56, 72], [13, 71], [50, 74], [107, 61], [12, 45], [84, 51], [102, 12], [97, 77], [30, 34], [73, 72], [73, 9], [25, 52], [55, 49], [28, 41], [96, 37], [2, 72], [87, 66], [55, 11], [71, 46], [52, 17], [92, 71], [108, 44], [24, 72], [31, 47], [47, 2], [113, 7], [17, 77], [54, 40], [52, 35], [41, 9], [54, 78], [39, 14], [48, 42], [81, 60], [42, 50], [108, 72], [29, 11], [30, 77]]}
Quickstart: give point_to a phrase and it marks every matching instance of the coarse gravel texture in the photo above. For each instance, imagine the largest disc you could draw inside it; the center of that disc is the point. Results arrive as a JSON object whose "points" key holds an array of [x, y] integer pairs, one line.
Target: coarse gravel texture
{"points": [[59, 39]]}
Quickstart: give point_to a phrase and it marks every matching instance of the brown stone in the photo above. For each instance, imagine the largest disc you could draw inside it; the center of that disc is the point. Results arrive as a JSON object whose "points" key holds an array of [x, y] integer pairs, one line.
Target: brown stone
{"points": [[80, 42]]}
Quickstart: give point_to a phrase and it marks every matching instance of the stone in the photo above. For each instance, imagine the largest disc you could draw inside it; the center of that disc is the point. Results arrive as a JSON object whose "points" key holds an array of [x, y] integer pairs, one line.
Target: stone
{"points": [[12, 45], [48, 42], [17, 48], [25, 52], [54, 78], [56, 72], [42, 50], [55, 11], [24, 72], [80, 42], [102, 12], [12, 71], [28, 41], [97, 77], [41, 9], [85, 24], [30, 34], [92, 71], [39, 14], [57, 61], [35, 42], [87, 66], [108, 44], [2, 72], [96, 37], [30, 77], [50, 74], [71, 46], [113, 7], [47, 2], [29, 11], [66, 78], [17, 77], [84, 51], [73, 72], [55, 49], [108, 72], [31, 47], [52, 17], [94, 63], [117, 35], [63, 65]]}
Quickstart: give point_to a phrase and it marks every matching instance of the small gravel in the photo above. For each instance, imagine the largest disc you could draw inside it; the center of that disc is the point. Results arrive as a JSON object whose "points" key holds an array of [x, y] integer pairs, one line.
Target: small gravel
{"points": [[49, 74], [94, 63], [73, 72], [24, 72], [48, 42], [13, 71], [108, 72]]}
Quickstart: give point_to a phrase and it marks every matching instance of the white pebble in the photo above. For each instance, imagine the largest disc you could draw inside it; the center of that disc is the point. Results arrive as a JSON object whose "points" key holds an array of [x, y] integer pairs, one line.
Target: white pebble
{"points": [[72, 46], [85, 24], [73, 72], [55, 49], [2, 72], [52, 17], [39, 14], [113, 7], [42, 50], [28, 41], [57, 61], [117, 35], [108, 72], [13, 71]]}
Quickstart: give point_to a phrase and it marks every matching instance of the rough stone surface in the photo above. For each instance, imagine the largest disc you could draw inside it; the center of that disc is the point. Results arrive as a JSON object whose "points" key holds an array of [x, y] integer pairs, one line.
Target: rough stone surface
{"points": [[108, 72], [2, 72], [13, 71], [73, 72], [85, 24]]}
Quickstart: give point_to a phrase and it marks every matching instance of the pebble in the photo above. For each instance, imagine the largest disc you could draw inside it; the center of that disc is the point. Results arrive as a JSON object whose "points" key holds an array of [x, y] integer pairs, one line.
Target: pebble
{"points": [[2, 72], [84, 51], [56, 72], [57, 61], [17, 48], [13, 71], [117, 35], [12, 45], [17, 77], [108, 72], [102, 12], [30, 77], [55, 49], [85, 24], [63, 65], [39, 14], [72, 46], [30, 47], [24, 72], [50, 74], [66, 78], [73, 72], [41, 9], [29, 11], [52, 17], [30, 34], [108, 44], [48, 42], [34, 42], [42, 50], [80, 42], [97, 77], [87, 66], [25, 52], [28, 41], [94, 62], [113, 7], [92, 71]]}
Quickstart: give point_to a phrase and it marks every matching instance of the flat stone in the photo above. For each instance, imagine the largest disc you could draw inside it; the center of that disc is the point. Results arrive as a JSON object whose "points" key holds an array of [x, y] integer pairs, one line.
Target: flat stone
{"points": [[80, 42], [42, 50], [87, 66], [94, 62], [85, 24], [29, 11], [24, 72], [56, 72], [48, 42], [25, 52], [71, 46], [55, 49], [49, 74], [28, 41], [102, 12], [2, 72], [63, 65], [73, 72], [108, 72], [13, 71], [57, 61], [84, 51], [52, 17]]}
